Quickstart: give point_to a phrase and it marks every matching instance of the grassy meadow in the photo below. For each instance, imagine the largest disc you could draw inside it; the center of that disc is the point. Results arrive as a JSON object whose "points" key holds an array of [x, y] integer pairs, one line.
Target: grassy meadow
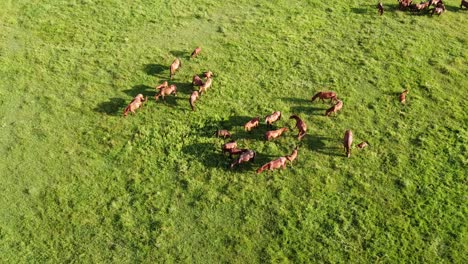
{"points": [[81, 183]]}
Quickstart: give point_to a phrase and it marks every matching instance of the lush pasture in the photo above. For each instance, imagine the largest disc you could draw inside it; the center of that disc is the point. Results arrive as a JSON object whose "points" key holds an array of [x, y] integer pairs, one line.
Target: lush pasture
{"points": [[80, 183]]}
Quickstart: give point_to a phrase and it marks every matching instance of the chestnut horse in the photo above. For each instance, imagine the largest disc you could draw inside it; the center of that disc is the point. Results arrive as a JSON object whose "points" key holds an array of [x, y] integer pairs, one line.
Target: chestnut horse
{"points": [[272, 134], [274, 164], [325, 95], [205, 86], [252, 123], [347, 141], [403, 96], [334, 109], [464, 3], [166, 91], [163, 85], [300, 125], [208, 74], [403, 4], [136, 103], [195, 52], [270, 119], [380, 8], [192, 100], [223, 133], [176, 64], [228, 146], [245, 156], [293, 155], [197, 81], [421, 6], [363, 144]]}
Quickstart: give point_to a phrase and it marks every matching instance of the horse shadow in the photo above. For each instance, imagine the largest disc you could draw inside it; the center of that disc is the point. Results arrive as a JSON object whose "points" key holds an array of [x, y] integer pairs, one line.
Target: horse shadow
{"points": [[184, 87], [318, 144], [369, 9], [208, 154], [140, 89], [296, 100], [154, 69], [309, 110], [112, 107], [180, 54]]}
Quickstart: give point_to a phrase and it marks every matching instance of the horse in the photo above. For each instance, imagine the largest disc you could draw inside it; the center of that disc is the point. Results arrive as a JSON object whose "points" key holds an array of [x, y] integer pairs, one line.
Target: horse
{"points": [[163, 85], [205, 86], [272, 134], [421, 6], [136, 103], [245, 156], [464, 3], [380, 8], [208, 74], [300, 125], [195, 52], [176, 64], [274, 164], [325, 95], [197, 81], [363, 144], [270, 119], [403, 96], [252, 123], [228, 146], [335, 108], [192, 100], [403, 4], [347, 141], [166, 91], [439, 9], [293, 156], [223, 133]]}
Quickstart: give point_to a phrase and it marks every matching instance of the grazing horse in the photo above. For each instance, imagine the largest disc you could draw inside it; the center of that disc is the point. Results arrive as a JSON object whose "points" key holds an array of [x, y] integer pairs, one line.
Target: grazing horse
{"points": [[464, 3], [403, 96], [421, 6], [136, 103], [195, 52], [163, 85], [166, 91], [334, 109], [208, 74], [274, 164], [272, 134], [192, 100], [300, 125], [403, 4], [176, 64], [380, 8], [235, 151], [245, 156], [325, 95], [223, 133], [439, 9], [363, 144], [252, 123], [347, 141], [229, 146], [293, 155], [205, 86], [197, 81], [270, 119]]}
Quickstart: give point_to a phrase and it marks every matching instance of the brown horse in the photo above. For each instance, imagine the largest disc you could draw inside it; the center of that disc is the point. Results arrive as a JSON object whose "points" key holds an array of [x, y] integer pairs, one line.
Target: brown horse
{"points": [[193, 98], [464, 3], [380, 8], [208, 74], [274, 164], [403, 4], [270, 119], [252, 123], [195, 52], [229, 146], [176, 64], [245, 156], [136, 103], [347, 141], [421, 6], [223, 133], [403, 96], [439, 9], [293, 155], [363, 144], [335, 108], [325, 95], [163, 85], [205, 86], [197, 81], [166, 91], [300, 125], [272, 134]]}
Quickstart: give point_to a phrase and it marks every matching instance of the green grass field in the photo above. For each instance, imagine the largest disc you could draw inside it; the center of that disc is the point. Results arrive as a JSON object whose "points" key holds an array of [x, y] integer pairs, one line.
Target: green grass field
{"points": [[81, 183]]}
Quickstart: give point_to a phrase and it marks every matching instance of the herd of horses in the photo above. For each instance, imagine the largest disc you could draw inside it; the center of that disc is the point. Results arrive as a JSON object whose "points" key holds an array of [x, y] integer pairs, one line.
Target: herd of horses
{"points": [[439, 6], [247, 155]]}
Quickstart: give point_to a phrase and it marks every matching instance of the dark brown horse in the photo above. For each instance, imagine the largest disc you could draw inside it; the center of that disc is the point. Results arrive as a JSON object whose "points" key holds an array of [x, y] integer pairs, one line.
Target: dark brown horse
{"points": [[166, 91], [347, 141], [335, 108], [223, 133], [300, 125], [136, 103], [272, 134], [403, 96], [464, 3], [270, 119], [195, 52], [274, 164], [439, 9], [176, 64], [193, 98], [325, 95], [380, 8], [245, 156], [252, 123], [197, 81]]}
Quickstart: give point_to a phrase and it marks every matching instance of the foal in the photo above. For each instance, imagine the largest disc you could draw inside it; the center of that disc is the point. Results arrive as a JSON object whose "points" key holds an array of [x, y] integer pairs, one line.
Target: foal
{"points": [[403, 96], [300, 125], [334, 109], [223, 133], [166, 91], [274, 164], [195, 52], [293, 155], [252, 123], [136, 103], [176, 64]]}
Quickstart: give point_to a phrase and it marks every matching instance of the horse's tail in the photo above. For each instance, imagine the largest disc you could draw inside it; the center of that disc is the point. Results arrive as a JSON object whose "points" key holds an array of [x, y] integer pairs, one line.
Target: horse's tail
{"points": [[315, 96]]}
